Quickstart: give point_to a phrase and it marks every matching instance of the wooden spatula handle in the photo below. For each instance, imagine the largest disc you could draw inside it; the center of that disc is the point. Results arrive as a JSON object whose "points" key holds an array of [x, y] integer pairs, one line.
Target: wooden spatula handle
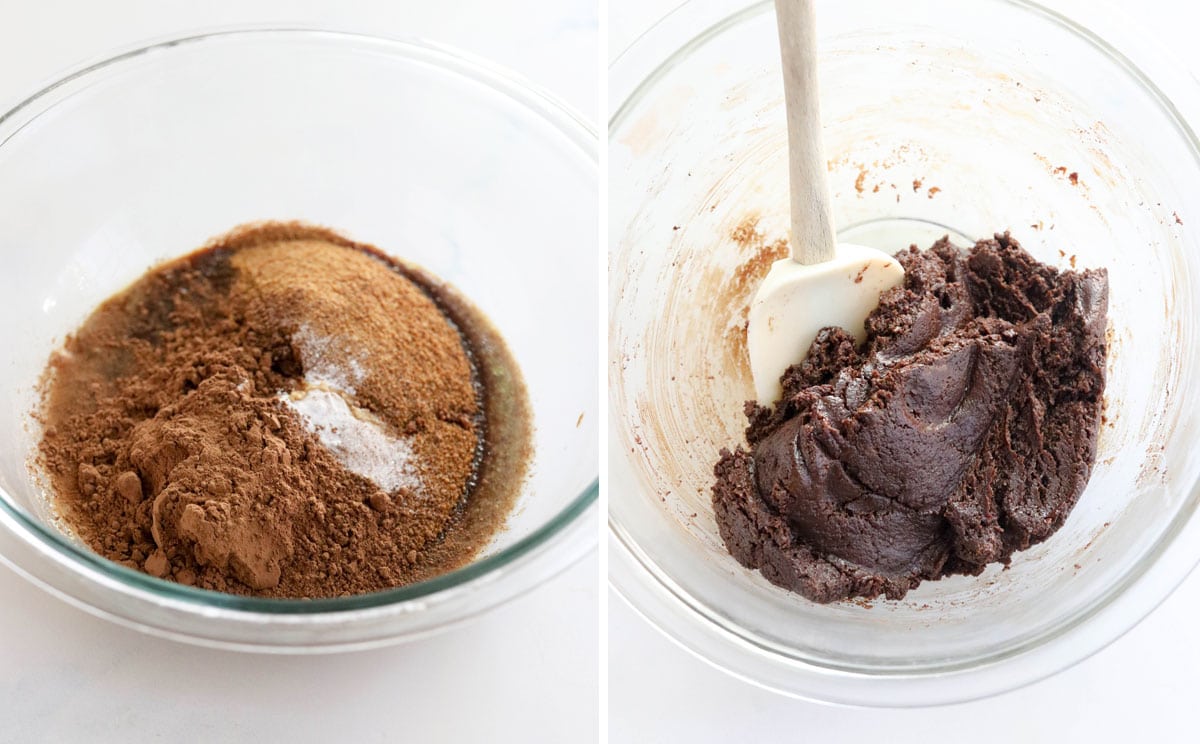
{"points": [[812, 236]]}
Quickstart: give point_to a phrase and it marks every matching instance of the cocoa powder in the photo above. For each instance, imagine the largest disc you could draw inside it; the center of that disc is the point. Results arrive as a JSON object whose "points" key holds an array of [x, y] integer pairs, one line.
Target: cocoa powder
{"points": [[285, 413]]}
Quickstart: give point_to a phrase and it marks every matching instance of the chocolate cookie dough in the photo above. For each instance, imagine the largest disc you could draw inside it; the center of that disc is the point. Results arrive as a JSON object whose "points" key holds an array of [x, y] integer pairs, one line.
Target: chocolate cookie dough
{"points": [[963, 430]]}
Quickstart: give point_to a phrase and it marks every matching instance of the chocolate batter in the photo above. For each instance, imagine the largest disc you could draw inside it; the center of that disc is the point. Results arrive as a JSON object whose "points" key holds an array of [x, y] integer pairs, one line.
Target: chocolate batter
{"points": [[963, 430]]}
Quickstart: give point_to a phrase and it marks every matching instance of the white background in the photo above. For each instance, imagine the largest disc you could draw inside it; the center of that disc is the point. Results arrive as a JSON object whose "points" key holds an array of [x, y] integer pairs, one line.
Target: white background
{"points": [[527, 672], [1143, 688]]}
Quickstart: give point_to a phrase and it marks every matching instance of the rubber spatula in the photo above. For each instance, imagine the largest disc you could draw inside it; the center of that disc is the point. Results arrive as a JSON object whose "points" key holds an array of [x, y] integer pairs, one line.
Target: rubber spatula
{"points": [[823, 283]]}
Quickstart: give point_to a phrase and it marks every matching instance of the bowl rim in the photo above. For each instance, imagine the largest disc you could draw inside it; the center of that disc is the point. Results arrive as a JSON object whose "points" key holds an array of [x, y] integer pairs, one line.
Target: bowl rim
{"points": [[498, 79], [703, 631]]}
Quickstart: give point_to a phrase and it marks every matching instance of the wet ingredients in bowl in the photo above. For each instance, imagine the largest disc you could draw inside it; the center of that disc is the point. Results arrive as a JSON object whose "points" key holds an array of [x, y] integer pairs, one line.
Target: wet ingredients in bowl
{"points": [[285, 413], [963, 430]]}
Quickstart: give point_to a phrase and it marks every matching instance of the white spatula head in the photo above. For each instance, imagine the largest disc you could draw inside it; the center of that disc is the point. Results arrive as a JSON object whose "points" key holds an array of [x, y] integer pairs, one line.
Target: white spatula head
{"points": [[796, 301], [823, 283]]}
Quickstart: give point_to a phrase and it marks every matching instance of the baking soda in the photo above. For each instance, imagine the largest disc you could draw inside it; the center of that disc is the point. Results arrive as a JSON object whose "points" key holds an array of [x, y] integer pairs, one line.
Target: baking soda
{"points": [[356, 437]]}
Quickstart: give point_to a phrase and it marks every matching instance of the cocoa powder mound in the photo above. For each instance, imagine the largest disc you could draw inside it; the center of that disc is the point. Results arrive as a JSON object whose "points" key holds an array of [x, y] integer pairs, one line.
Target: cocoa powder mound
{"points": [[283, 414]]}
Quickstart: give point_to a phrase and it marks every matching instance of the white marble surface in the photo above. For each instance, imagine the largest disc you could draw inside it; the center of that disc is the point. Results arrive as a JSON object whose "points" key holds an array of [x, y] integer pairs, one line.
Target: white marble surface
{"points": [[1141, 688], [527, 672]]}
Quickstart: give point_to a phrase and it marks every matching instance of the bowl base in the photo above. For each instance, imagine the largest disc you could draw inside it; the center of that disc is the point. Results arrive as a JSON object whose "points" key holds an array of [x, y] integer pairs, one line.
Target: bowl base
{"points": [[894, 234]]}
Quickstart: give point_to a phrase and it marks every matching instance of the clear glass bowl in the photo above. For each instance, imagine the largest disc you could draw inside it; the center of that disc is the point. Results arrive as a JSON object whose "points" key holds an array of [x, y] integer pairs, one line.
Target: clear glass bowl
{"points": [[443, 160], [945, 116]]}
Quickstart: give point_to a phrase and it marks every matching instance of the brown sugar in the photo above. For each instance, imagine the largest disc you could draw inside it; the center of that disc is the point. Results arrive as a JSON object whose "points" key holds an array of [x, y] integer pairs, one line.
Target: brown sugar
{"points": [[285, 413]]}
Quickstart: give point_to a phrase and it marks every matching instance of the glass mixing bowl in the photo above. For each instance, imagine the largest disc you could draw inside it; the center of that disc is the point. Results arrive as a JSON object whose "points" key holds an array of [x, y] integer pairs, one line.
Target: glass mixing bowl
{"points": [[943, 116], [439, 159]]}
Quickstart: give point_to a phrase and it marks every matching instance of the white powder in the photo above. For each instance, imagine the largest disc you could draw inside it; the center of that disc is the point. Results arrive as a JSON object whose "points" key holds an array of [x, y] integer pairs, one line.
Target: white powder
{"points": [[356, 437], [325, 364]]}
